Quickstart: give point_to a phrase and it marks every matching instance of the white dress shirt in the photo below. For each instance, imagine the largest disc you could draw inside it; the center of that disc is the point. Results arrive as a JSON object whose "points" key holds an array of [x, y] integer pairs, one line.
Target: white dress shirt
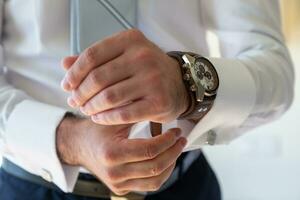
{"points": [[254, 67]]}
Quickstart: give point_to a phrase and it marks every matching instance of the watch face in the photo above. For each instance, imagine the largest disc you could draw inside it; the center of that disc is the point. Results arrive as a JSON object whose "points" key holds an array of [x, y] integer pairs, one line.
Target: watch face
{"points": [[206, 74]]}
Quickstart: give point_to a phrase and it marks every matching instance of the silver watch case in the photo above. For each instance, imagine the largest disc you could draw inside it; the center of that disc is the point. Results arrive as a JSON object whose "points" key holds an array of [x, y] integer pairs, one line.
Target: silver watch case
{"points": [[191, 76]]}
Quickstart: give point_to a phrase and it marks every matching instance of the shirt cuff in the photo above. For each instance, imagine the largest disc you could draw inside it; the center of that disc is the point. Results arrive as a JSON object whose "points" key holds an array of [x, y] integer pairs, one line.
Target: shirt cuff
{"points": [[142, 130], [31, 139], [234, 102]]}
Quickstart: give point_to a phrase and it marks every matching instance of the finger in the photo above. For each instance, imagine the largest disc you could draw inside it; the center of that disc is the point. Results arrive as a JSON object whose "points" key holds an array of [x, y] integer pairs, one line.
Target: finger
{"points": [[135, 150], [146, 184], [67, 62], [132, 113], [114, 96], [94, 56], [151, 168], [98, 79]]}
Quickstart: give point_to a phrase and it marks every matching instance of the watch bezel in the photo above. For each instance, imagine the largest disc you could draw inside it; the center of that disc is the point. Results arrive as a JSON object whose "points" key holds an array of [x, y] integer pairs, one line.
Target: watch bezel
{"points": [[195, 85]]}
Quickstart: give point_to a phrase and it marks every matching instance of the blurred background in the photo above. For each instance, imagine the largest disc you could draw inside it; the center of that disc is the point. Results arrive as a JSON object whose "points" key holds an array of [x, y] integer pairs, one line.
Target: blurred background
{"points": [[265, 163]]}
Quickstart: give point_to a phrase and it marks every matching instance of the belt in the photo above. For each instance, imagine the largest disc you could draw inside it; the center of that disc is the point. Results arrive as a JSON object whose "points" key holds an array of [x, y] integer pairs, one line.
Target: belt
{"points": [[95, 189]]}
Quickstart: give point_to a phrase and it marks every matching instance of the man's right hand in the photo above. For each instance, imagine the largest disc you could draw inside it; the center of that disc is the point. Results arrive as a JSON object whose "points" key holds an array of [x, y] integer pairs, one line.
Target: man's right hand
{"points": [[123, 164]]}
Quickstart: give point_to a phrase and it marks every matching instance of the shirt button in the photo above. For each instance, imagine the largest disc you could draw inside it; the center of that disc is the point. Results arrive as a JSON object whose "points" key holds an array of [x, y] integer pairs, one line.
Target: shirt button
{"points": [[46, 175], [211, 137]]}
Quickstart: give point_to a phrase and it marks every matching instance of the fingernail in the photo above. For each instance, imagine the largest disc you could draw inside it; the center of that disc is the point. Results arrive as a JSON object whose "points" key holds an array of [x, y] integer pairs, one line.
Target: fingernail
{"points": [[65, 84], [71, 102]]}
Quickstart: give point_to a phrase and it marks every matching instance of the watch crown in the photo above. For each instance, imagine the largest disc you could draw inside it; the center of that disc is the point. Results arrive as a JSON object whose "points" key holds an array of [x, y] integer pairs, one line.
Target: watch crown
{"points": [[193, 88]]}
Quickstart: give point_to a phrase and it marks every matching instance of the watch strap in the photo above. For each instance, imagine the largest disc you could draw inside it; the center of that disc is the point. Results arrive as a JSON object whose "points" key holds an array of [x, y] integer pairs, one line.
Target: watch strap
{"points": [[196, 110], [178, 56]]}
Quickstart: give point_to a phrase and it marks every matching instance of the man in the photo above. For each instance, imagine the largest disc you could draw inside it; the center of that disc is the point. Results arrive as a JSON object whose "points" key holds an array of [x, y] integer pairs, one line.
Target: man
{"points": [[122, 82]]}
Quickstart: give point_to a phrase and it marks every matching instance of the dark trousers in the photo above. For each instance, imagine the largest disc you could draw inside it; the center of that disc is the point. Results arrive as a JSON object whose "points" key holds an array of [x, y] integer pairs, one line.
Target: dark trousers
{"points": [[198, 183]]}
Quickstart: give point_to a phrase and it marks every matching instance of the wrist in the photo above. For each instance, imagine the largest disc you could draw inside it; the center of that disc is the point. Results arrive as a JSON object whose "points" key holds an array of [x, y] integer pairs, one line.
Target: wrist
{"points": [[67, 140]]}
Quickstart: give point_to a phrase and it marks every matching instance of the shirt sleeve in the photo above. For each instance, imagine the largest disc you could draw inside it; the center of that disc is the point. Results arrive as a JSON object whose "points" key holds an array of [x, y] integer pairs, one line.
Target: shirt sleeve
{"points": [[255, 71], [28, 131]]}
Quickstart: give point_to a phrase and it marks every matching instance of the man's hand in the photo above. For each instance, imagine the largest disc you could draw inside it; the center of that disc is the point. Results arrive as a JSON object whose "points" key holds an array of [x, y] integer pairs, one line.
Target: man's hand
{"points": [[125, 79], [123, 164]]}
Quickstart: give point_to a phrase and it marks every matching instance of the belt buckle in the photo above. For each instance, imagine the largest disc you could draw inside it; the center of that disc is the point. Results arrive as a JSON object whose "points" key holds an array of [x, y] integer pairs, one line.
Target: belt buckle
{"points": [[100, 190]]}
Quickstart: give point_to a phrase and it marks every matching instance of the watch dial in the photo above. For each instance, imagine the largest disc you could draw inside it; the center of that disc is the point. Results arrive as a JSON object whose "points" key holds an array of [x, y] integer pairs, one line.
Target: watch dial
{"points": [[207, 75]]}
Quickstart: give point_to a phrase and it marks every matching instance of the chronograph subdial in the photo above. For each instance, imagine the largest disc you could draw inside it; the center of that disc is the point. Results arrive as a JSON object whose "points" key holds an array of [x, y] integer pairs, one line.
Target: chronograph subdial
{"points": [[205, 75]]}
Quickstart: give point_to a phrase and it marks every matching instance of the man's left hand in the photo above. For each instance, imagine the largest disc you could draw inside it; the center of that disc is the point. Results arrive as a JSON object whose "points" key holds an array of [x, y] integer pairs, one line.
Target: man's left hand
{"points": [[125, 79]]}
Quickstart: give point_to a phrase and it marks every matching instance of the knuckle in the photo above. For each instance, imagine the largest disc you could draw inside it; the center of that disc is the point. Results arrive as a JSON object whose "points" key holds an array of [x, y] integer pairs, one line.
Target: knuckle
{"points": [[143, 54], [109, 97], [110, 68], [124, 116], [109, 157], [154, 77], [156, 170], [94, 77], [112, 175], [90, 56], [150, 151]]}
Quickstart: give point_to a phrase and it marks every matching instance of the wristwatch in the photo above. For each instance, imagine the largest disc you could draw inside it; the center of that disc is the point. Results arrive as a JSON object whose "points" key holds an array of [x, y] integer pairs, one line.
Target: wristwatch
{"points": [[201, 81]]}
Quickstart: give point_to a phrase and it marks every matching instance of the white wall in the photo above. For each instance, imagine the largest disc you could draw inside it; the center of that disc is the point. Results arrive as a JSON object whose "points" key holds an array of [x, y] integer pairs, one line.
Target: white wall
{"points": [[265, 163]]}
